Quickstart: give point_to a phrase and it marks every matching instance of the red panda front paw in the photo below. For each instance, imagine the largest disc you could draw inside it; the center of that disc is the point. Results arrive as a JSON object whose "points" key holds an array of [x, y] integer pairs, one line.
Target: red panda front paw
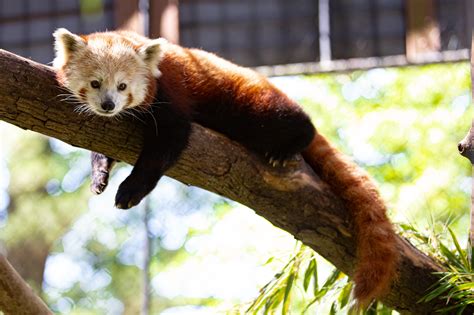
{"points": [[129, 194], [99, 182]]}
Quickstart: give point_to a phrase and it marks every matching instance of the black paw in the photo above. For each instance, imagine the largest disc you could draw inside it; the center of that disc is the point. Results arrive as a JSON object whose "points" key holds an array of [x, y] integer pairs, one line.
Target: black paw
{"points": [[129, 194], [99, 182]]}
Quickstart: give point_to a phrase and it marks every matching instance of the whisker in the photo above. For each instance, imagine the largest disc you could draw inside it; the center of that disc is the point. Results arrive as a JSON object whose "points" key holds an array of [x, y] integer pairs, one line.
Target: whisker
{"points": [[130, 113], [146, 110]]}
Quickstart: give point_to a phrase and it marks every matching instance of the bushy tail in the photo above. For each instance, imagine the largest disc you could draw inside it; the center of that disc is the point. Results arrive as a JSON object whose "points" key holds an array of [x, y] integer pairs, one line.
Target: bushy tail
{"points": [[376, 242]]}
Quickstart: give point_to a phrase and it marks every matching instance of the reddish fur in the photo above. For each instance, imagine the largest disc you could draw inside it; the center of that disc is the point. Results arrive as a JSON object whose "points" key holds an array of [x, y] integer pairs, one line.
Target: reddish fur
{"points": [[198, 83], [376, 242], [192, 80], [82, 93], [129, 99], [190, 77]]}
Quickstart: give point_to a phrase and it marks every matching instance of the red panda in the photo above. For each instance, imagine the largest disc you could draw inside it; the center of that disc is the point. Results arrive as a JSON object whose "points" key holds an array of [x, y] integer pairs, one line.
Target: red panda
{"points": [[112, 73]]}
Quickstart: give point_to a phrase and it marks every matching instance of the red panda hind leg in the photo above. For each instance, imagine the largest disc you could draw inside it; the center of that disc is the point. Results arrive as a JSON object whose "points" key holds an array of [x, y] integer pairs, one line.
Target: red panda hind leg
{"points": [[275, 134]]}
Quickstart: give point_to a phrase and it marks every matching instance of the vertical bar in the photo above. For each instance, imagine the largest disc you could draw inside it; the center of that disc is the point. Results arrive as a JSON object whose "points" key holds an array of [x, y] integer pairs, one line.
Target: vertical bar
{"points": [[127, 16], [285, 36], [164, 19], [144, 9], [374, 10], [469, 18], [224, 40], [80, 20], [53, 21], [324, 31], [196, 25], [342, 36], [2, 44], [26, 30], [254, 34], [423, 35]]}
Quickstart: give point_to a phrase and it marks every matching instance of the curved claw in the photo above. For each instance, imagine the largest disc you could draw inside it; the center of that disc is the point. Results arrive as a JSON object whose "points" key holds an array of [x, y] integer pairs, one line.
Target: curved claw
{"points": [[99, 182], [130, 192], [275, 162]]}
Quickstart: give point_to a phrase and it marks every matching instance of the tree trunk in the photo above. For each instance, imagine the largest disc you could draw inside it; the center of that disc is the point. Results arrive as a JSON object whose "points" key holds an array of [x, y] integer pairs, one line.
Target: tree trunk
{"points": [[292, 198], [466, 149]]}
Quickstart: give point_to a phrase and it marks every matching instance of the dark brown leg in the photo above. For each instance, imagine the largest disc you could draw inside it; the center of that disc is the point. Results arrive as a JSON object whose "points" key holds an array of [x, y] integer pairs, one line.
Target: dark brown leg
{"points": [[163, 144], [101, 167]]}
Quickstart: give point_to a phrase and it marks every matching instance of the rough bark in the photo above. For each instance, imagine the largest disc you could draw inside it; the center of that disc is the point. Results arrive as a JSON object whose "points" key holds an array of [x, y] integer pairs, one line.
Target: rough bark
{"points": [[466, 145], [16, 297], [466, 149], [293, 198]]}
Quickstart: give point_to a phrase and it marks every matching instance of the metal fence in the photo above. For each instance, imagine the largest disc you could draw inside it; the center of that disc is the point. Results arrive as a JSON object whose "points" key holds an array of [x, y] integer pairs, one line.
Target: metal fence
{"points": [[307, 35], [252, 32], [26, 25], [367, 28]]}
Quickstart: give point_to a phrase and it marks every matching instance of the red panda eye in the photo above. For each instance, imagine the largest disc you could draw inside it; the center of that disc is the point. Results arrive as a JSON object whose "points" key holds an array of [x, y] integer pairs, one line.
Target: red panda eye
{"points": [[122, 86], [95, 84]]}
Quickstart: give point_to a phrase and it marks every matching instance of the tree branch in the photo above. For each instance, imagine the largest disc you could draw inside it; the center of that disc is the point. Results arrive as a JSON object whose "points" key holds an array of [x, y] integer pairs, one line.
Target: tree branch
{"points": [[293, 199], [16, 297]]}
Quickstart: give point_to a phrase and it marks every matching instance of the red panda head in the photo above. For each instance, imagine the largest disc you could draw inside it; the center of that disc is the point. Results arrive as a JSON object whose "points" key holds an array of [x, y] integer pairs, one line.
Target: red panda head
{"points": [[108, 72]]}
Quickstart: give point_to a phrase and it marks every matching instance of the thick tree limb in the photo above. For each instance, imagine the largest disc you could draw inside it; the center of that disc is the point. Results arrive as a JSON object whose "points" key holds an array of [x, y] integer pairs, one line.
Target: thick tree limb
{"points": [[294, 199], [16, 297]]}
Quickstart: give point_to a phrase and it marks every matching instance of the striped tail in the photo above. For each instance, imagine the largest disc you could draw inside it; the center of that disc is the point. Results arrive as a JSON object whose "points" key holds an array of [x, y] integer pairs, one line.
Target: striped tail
{"points": [[376, 239]]}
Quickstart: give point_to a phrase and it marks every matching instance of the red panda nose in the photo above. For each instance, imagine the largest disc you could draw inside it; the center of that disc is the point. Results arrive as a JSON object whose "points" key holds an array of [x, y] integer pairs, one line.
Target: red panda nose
{"points": [[107, 105]]}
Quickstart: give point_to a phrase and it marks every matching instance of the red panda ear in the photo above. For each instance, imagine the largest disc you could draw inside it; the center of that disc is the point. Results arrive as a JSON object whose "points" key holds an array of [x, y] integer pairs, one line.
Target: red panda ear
{"points": [[65, 44], [151, 53]]}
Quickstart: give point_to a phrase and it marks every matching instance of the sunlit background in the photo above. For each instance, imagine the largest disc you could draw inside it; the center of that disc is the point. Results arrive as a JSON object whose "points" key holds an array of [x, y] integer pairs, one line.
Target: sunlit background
{"points": [[210, 255]]}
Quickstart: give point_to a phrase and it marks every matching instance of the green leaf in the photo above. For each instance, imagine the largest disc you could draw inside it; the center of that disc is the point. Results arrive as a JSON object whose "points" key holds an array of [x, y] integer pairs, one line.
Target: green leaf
{"points": [[345, 294], [461, 253], [435, 293], [450, 257], [333, 309], [269, 260], [309, 273], [286, 299], [273, 301], [315, 277], [329, 284], [466, 286]]}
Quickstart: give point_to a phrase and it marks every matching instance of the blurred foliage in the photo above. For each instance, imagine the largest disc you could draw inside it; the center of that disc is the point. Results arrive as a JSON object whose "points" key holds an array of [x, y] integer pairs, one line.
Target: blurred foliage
{"points": [[41, 203], [209, 254], [403, 126]]}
